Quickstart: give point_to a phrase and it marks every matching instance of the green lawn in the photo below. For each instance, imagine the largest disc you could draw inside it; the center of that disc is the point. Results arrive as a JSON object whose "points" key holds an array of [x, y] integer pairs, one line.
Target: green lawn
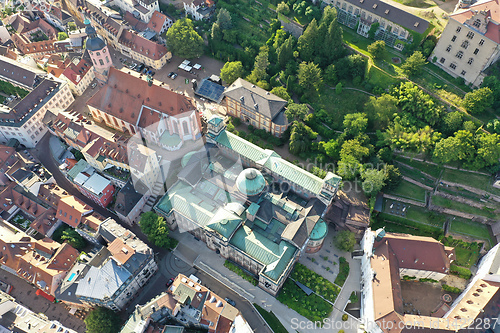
{"points": [[338, 105], [474, 229], [417, 3], [316, 282], [466, 253], [343, 272], [402, 225], [417, 175], [271, 320], [478, 181], [432, 170], [451, 204], [312, 307], [409, 191]]}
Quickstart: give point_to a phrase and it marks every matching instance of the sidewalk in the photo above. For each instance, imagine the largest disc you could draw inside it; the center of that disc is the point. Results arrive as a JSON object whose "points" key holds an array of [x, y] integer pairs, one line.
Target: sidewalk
{"points": [[289, 318]]}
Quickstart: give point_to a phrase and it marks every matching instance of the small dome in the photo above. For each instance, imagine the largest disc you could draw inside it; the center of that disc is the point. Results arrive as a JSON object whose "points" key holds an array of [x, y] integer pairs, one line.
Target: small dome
{"points": [[250, 182], [94, 42], [319, 231]]}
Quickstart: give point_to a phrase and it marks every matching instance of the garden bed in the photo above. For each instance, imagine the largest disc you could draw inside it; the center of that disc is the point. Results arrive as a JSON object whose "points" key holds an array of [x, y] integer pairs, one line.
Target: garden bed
{"points": [[232, 267], [343, 272], [315, 282], [271, 320], [312, 307]]}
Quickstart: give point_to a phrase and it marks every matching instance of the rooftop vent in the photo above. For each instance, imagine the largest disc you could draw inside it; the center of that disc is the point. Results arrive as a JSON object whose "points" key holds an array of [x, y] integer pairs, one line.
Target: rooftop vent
{"points": [[416, 24], [375, 6], [386, 11]]}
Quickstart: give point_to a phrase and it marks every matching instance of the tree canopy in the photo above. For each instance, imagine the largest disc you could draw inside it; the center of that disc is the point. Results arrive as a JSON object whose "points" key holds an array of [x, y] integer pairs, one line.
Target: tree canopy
{"points": [[479, 100], [102, 320], [414, 63], [377, 49], [231, 71], [62, 36], [183, 40], [156, 229], [281, 92], [310, 78], [345, 240], [296, 111], [224, 19]]}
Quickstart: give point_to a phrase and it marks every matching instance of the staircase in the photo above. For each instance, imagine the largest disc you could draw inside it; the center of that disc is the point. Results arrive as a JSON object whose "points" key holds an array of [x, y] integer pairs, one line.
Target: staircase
{"points": [[157, 190]]}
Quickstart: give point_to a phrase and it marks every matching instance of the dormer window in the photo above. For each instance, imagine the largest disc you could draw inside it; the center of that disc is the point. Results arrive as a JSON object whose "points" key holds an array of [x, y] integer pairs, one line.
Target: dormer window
{"points": [[477, 23]]}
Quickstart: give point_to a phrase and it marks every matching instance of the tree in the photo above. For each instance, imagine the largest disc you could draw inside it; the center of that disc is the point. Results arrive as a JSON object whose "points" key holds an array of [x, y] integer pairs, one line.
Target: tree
{"points": [[259, 72], [72, 26], [331, 75], [493, 83], [393, 176], [478, 101], [74, 239], [285, 52], [381, 110], [183, 40], [332, 43], [412, 99], [216, 32], [300, 138], [345, 240], [373, 30], [355, 149], [373, 181], [459, 147], [156, 229], [488, 148], [413, 64], [102, 320], [281, 92], [296, 112], [377, 49], [231, 71], [348, 167], [355, 124], [309, 78], [224, 19], [332, 149], [62, 36], [452, 122], [307, 43], [283, 8]]}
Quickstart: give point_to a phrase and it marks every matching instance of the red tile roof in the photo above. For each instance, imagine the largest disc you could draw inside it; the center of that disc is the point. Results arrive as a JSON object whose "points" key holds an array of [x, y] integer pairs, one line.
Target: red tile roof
{"points": [[124, 95], [492, 9], [145, 47], [157, 20], [7, 157], [71, 210], [75, 73], [134, 22]]}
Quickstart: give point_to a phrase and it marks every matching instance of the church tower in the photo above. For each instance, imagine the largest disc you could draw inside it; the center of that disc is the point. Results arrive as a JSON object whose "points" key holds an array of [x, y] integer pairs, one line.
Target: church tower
{"points": [[99, 53]]}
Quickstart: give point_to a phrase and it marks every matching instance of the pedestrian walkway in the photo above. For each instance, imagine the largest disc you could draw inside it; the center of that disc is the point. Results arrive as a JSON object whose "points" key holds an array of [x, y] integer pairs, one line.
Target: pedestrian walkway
{"points": [[213, 264]]}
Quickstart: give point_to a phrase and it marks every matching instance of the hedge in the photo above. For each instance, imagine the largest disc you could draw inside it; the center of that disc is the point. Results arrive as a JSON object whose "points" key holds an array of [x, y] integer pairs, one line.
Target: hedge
{"points": [[451, 289], [462, 272], [240, 272], [343, 272]]}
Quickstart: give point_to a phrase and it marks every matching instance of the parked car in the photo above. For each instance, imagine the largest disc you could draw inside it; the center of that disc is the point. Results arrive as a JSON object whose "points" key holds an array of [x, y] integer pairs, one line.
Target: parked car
{"points": [[145, 70], [169, 282], [94, 85], [140, 68], [174, 76], [170, 74], [152, 73], [230, 301]]}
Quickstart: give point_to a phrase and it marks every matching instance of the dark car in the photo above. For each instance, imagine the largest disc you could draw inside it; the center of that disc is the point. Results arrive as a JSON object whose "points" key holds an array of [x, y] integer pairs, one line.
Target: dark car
{"points": [[145, 70], [170, 74], [230, 301], [152, 73], [140, 68], [169, 282]]}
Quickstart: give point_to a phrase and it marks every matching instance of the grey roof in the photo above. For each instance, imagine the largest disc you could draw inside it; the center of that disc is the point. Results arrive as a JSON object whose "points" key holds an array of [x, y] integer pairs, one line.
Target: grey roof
{"points": [[14, 71], [101, 282], [94, 42], [393, 14], [110, 230], [269, 104], [128, 197]]}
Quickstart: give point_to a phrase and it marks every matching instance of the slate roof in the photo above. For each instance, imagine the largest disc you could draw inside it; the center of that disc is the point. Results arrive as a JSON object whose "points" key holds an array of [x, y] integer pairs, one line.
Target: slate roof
{"points": [[17, 72], [102, 281], [393, 14], [269, 105], [128, 197]]}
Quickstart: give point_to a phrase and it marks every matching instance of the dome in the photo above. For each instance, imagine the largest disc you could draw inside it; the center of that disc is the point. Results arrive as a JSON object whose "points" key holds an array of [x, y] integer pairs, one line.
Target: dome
{"points": [[94, 42], [250, 182], [319, 231]]}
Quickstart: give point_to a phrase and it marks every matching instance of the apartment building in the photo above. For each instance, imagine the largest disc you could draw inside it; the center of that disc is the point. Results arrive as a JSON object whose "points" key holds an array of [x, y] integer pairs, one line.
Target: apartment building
{"points": [[91, 184], [188, 304], [200, 9], [396, 25], [20, 75], [143, 9], [256, 106], [79, 74], [23, 121], [114, 276], [144, 50], [470, 42]]}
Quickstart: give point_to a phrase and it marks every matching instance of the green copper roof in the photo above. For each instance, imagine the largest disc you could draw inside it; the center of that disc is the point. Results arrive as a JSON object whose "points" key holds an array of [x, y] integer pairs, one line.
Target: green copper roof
{"points": [[215, 120], [319, 231], [275, 256], [170, 140], [250, 182], [243, 147], [185, 158], [252, 210], [80, 166]]}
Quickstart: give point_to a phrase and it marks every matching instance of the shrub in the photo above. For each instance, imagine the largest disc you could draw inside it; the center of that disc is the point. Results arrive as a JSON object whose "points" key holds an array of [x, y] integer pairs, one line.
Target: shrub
{"points": [[232, 267], [344, 317], [462, 272], [451, 289], [408, 278], [343, 272], [428, 280], [354, 297]]}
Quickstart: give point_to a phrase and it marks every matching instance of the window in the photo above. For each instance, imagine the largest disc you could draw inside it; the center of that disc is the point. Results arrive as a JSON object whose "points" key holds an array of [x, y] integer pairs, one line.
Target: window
{"points": [[65, 214], [453, 65], [454, 38], [470, 35], [442, 60], [70, 217], [104, 51], [477, 23], [101, 62], [459, 54], [350, 9], [98, 54], [458, 29], [471, 60], [476, 51], [448, 49], [481, 42], [463, 73], [465, 44], [107, 60]]}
